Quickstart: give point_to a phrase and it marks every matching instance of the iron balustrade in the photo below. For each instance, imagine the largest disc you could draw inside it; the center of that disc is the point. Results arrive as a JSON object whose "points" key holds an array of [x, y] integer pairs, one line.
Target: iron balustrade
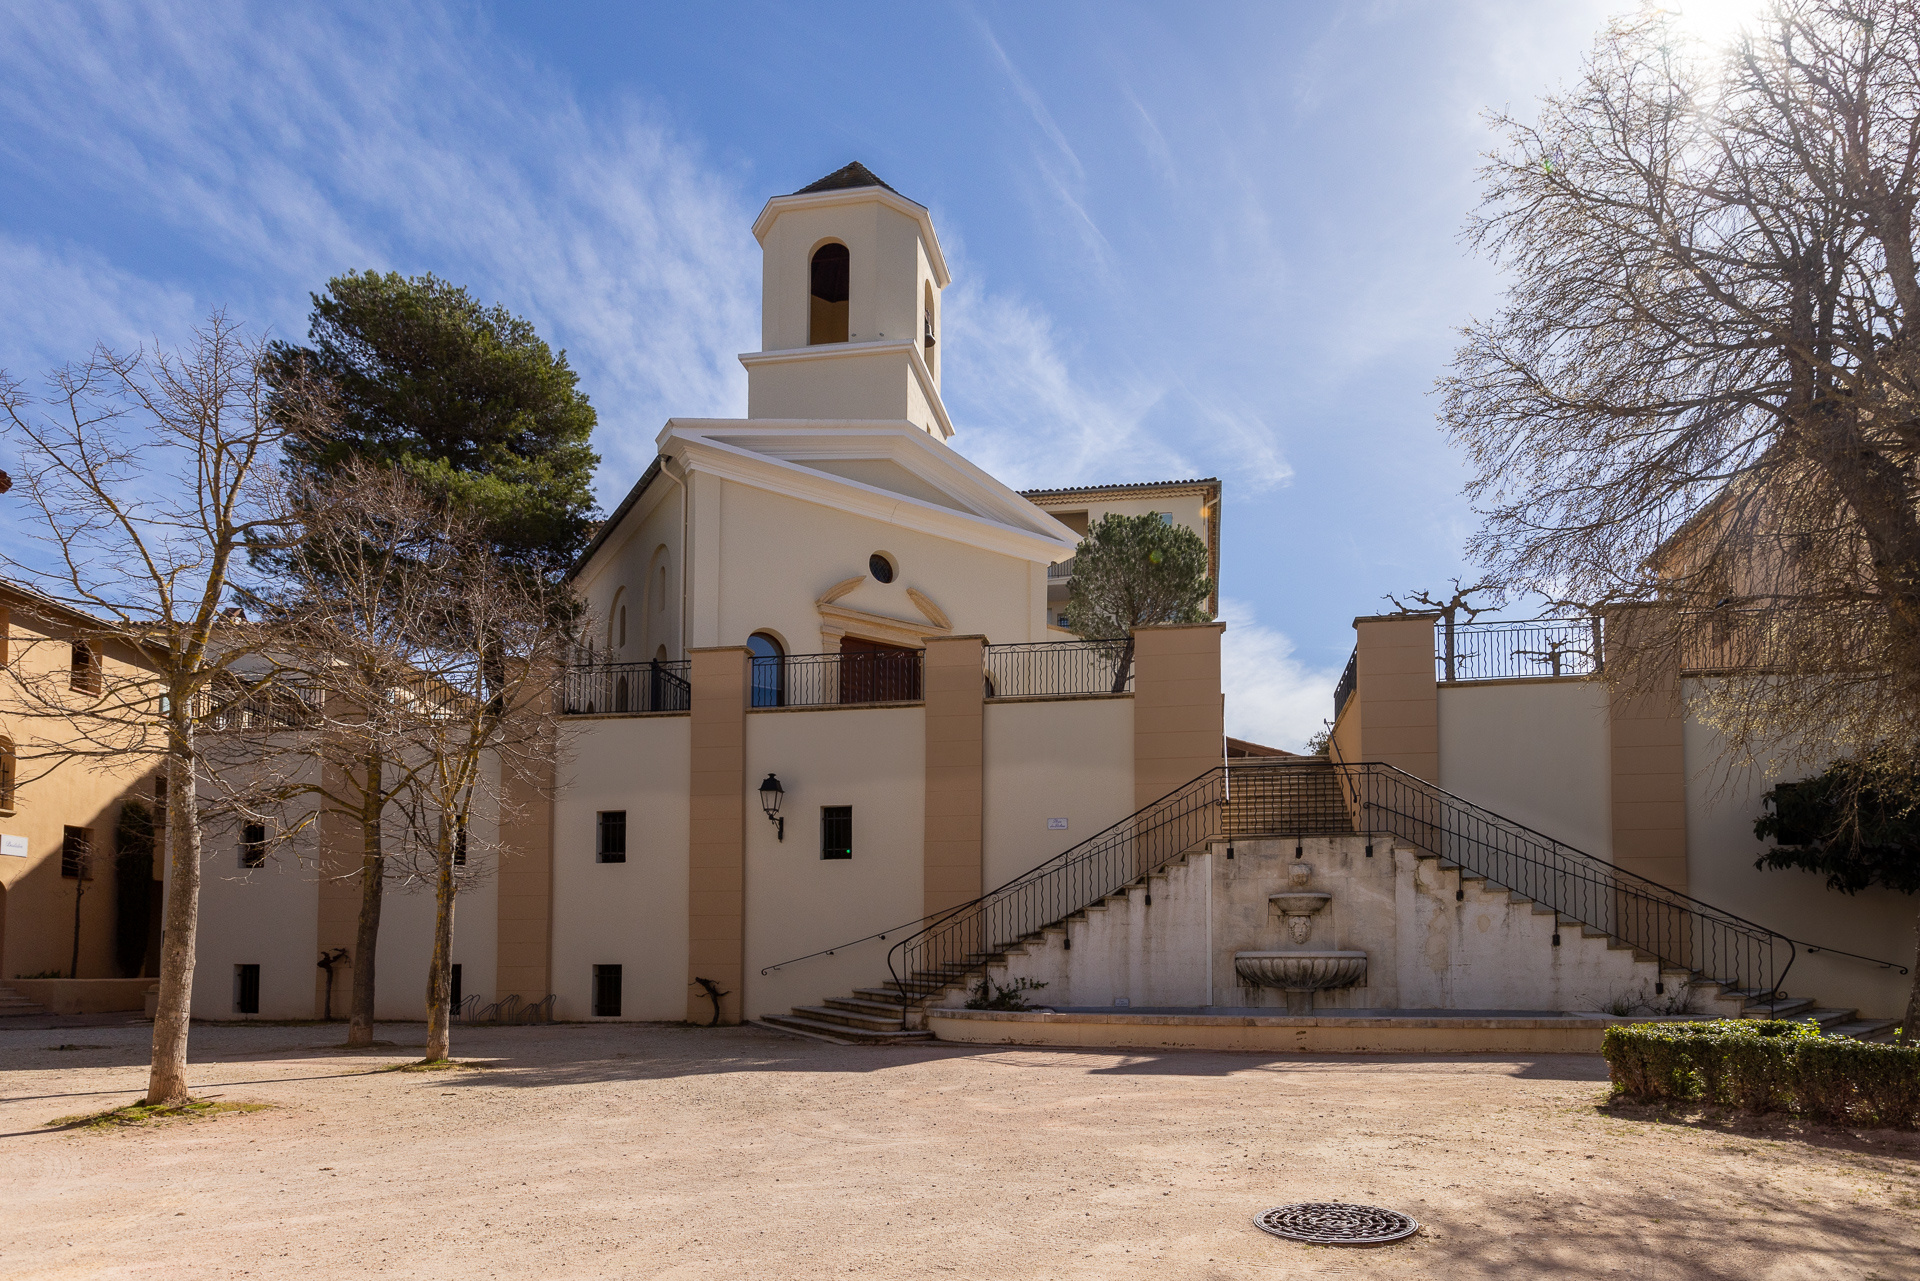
{"points": [[1062, 570], [1059, 668], [1504, 651], [662, 685], [830, 680], [266, 708], [1349, 681], [1270, 798]]}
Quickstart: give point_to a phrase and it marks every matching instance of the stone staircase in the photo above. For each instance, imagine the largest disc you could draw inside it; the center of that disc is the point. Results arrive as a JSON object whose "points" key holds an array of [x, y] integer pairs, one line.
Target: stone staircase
{"points": [[1297, 801], [1719, 999], [11, 1003]]}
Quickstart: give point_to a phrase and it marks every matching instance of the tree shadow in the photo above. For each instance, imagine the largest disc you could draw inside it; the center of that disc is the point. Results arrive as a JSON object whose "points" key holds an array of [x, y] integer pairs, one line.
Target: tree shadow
{"points": [[1779, 1127]]}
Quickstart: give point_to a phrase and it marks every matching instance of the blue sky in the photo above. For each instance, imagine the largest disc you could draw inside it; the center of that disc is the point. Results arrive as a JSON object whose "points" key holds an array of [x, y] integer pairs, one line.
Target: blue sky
{"points": [[1186, 239]]}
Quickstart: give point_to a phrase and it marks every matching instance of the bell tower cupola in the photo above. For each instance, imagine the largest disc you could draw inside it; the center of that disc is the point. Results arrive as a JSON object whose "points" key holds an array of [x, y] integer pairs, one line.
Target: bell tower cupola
{"points": [[850, 285]]}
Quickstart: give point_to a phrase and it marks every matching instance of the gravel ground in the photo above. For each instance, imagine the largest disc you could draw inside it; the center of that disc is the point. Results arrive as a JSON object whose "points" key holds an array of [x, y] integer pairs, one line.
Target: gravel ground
{"points": [[663, 1151]]}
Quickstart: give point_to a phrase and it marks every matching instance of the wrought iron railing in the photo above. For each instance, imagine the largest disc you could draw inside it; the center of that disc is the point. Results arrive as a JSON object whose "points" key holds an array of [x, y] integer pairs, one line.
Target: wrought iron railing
{"points": [[829, 680], [1062, 570], [273, 706], [1504, 651], [1300, 798], [1349, 681], [663, 685], [1059, 668]]}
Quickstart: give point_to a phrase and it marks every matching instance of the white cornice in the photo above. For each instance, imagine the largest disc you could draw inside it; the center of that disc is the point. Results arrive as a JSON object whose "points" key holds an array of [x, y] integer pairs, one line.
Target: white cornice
{"points": [[703, 451], [859, 196], [843, 350]]}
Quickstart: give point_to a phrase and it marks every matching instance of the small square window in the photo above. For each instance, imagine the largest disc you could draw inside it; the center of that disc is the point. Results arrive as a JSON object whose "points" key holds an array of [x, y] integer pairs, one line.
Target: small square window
{"points": [[76, 853], [246, 989], [836, 831], [611, 845], [253, 845], [606, 991]]}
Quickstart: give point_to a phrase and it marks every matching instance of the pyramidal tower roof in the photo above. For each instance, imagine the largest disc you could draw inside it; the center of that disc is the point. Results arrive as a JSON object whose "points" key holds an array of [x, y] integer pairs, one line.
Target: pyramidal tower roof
{"points": [[846, 178]]}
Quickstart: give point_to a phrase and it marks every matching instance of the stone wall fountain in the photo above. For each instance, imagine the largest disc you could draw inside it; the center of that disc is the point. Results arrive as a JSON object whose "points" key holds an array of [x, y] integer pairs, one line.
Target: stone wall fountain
{"points": [[1297, 970]]}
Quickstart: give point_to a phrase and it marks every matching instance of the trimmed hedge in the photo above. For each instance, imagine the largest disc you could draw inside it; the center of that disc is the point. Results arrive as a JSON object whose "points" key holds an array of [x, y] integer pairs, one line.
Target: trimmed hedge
{"points": [[1764, 1065]]}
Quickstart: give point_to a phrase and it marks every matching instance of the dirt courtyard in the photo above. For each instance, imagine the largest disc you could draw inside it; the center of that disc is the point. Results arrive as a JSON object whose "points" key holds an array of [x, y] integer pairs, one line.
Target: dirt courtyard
{"points": [[657, 1151]]}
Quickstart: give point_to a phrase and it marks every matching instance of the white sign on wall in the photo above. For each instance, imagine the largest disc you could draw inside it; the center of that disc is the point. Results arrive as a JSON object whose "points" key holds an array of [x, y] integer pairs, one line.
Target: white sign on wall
{"points": [[1056, 825], [13, 846]]}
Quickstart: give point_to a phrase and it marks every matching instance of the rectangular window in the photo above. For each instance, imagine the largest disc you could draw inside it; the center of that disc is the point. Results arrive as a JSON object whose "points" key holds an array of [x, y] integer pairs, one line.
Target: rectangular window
{"points": [[606, 991], [253, 845], [611, 845], [7, 762], [246, 989], [85, 674], [6, 635], [460, 845], [455, 997], [159, 807], [836, 831], [76, 853]]}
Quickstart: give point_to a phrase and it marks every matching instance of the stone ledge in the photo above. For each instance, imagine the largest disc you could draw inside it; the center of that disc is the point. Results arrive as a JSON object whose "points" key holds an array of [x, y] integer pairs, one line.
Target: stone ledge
{"points": [[1491, 1033]]}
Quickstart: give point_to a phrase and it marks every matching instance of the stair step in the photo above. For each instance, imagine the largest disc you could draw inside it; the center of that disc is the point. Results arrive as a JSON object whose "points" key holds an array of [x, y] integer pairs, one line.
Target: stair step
{"points": [[1865, 1029], [1780, 1008], [870, 1008], [1826, 1018], [841, 1032], [881, 996], [848, 1018]]}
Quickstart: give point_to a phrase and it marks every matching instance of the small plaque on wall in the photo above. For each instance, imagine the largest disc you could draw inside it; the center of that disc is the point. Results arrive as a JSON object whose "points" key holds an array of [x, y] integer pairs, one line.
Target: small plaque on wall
{"points": [[1056, 825], [13, 846]]}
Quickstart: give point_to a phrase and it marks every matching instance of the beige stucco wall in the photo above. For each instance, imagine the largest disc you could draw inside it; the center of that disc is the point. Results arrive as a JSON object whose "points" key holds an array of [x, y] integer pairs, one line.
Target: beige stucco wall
{"points": [[1721, 849], [1061, 758], [628, 573], [1534, 751], [873, 759], [1400, 719], [36, 902], [777, 555], [265, 916], [631, 914], [843, 381]]}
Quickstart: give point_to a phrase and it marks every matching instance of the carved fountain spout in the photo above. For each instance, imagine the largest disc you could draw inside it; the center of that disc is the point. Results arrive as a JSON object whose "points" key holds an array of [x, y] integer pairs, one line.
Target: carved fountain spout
{"points": [[1296, 971]]}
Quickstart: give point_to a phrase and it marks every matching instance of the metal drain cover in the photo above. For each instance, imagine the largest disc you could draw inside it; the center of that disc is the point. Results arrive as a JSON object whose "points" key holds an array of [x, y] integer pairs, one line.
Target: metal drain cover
{"points": [[1330, 1223]]}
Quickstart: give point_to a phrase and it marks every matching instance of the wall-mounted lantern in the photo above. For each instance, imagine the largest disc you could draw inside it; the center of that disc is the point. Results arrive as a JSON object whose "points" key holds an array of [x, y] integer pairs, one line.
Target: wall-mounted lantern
{"points": [[771, 794]]}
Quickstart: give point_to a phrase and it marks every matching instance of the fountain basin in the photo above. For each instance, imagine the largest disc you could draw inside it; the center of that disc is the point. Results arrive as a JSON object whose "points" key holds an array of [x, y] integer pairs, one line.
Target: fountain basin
{"points": [[1299, 904], [1301, 974]]}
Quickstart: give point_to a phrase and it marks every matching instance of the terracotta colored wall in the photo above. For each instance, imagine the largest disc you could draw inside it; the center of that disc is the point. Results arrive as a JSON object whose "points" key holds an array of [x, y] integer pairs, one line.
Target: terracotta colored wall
{"points": [[955, 694], [1179, 729], [716, 886], [1650, 785], [1400, 722]]}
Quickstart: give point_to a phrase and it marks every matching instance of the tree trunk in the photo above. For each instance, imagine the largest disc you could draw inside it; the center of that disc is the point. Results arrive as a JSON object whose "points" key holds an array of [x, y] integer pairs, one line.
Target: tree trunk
{"points": [[1910, 1026], [1125, 669], [167, 1082], [372, 885], [440, 972]]}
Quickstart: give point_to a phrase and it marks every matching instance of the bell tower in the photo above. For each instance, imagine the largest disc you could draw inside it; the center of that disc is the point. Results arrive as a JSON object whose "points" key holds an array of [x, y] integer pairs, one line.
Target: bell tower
{"points": [[850, 284]]}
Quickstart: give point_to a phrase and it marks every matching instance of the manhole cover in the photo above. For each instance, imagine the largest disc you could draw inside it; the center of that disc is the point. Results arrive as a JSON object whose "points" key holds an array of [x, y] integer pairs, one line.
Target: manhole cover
{"points": [[1329, 1223]]}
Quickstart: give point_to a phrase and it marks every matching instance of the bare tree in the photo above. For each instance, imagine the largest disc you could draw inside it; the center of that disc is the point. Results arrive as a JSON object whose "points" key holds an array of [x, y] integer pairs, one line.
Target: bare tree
{"points": [[349, 607], [150, 474], [484, 728], [1450, 609], [1696, 409]]}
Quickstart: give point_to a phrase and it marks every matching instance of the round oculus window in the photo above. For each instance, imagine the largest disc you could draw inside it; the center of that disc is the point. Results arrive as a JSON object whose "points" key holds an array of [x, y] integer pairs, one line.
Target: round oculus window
{"points": [[880, 567]]}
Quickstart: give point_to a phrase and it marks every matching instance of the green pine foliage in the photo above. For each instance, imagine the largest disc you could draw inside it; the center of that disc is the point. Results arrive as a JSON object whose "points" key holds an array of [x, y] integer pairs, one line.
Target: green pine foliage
{"points": [[466, 397], [1766, 1065], [1136, 571]]}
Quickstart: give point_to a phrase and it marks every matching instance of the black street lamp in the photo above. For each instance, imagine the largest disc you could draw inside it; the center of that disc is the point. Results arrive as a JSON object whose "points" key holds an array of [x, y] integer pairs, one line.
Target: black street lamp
{"points": [[771, 794]]}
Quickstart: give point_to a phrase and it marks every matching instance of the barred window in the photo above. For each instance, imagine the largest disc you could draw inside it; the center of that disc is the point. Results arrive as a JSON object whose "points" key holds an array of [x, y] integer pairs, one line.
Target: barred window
{"points": [[836, 831], [611, 844], [606, 991], [253, 845]]}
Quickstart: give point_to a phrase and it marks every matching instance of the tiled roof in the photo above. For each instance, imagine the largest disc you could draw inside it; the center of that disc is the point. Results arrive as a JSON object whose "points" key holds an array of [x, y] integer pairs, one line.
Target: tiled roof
{"points": [[845, 178], [1108, 489]]}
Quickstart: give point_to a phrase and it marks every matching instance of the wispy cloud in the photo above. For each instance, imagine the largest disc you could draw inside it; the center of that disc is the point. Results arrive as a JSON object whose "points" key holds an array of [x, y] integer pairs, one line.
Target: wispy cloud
{"points": [[1272, 697], [270, 150]]}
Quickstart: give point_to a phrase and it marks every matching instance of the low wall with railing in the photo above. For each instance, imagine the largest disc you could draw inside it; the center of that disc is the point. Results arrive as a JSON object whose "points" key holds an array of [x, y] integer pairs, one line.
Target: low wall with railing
{"points": [[1518, 650], [1059, 669]]}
